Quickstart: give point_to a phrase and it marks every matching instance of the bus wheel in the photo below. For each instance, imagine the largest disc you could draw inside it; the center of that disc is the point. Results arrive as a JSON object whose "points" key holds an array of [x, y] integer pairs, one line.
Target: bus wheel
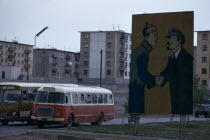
{"points": [[40, 124], [70, 121], [100, 120], [4, 122]]}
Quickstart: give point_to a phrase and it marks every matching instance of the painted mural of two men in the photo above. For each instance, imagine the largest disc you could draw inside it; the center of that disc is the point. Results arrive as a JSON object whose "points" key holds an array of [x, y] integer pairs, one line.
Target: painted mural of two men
{"points": [[178, 72]]}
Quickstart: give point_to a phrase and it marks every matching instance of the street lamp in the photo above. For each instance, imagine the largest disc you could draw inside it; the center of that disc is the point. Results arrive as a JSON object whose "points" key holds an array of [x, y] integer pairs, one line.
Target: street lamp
{"points": [[37, 35]]}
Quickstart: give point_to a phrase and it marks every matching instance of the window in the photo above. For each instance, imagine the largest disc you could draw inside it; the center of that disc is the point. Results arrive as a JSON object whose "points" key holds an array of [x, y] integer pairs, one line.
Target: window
{"points": [[203, 82], [85, 72], [86, 36], [126, 73], [105, 98], [204, 59], [81, 98], [85, 54], [204, 47], [94, 98], [109, 45], [121, 73], [85, 63], [2, 60], [86, 45], [108, 72], [108, 63], [3, 74], [110, 101], [204, 70], [68, 98], [205, 36], [109, 35], [87, 99], [75, 98], [108, 54], [100, 99]]}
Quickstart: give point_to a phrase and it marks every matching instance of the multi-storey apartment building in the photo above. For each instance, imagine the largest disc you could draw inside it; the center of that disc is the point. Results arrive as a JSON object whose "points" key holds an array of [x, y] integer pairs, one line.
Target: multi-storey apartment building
{"points": [[115, 49], [56, 65], [16, 60], [203, 56]]}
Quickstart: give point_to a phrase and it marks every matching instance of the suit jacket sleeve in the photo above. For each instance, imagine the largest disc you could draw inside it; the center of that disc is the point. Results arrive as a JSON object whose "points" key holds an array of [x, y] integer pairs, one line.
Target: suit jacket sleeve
{"points": [[142, 71], [165, 73]]}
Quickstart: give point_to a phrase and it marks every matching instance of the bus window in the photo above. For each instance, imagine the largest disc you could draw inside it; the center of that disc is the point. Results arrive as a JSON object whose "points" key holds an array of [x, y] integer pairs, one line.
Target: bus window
{"points": [[110, 101], [100, 99], [94, 98], [81, 98], [1, 95], [68, 98], [55, 97], [75, 98], [87, 99], [41, 97], [105, 98], [24, 96], [31, 94], [12, 95]]}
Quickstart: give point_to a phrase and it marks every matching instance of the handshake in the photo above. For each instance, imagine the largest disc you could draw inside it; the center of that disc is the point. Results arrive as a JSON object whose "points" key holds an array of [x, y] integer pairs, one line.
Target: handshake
{"points": [[159, 80]]}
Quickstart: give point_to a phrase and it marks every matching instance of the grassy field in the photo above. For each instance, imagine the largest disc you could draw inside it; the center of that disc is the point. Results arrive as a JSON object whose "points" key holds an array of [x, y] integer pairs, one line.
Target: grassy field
{"points": [[197, 130]]}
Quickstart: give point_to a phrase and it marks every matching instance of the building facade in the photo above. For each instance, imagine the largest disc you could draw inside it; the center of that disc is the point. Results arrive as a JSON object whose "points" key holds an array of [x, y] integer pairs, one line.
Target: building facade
{"points": [[14, 54], [202, 59], [114, 49], [53, 65]]}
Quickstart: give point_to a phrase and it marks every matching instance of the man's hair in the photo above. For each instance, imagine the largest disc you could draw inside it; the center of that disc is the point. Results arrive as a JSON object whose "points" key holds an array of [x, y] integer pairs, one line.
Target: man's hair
{"points": [[148, 28]]}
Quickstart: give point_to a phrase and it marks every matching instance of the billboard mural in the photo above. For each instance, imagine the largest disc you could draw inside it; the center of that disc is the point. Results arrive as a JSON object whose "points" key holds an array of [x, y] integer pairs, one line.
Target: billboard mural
{"points": [[161, 75]]}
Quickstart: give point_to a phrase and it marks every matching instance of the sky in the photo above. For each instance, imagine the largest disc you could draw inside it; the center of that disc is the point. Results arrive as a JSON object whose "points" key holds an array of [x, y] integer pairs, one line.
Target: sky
{"points": [[21, 20]]}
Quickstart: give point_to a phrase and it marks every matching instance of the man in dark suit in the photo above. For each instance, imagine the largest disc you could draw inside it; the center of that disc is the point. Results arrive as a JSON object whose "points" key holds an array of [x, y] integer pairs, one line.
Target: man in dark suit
{"points": [[139, 74], [179, 74]]}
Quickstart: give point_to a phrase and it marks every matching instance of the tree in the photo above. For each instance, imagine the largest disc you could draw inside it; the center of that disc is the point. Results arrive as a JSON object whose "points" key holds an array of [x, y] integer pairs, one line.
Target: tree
{"points": [[200, 92]]}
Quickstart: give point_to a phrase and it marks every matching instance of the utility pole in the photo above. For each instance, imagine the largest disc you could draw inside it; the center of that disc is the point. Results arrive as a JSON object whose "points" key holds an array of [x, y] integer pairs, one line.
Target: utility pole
{"points": [[101, 52]]}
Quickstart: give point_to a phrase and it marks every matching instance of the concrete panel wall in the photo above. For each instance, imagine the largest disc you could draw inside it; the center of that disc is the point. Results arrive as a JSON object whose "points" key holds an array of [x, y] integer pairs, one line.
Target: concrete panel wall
{"points": [[97, 43]]}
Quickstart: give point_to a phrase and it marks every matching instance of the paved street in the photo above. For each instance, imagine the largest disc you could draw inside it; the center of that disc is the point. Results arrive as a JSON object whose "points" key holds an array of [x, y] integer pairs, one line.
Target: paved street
{"points": [[20, 127]]}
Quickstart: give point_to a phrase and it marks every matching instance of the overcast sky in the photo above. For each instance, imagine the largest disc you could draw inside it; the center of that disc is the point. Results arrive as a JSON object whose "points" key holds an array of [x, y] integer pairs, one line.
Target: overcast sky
{"points": [[22, 19]]}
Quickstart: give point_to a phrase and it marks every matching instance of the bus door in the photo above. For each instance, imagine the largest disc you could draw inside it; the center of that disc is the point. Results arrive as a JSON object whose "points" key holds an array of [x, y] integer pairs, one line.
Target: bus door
{"points": [[25, 106]]}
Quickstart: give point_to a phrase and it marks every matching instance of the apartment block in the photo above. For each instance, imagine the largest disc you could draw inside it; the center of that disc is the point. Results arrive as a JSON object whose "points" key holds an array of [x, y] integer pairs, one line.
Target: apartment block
{"points": [[54, 65], [202, 60], [15, 60], [114, 49]]}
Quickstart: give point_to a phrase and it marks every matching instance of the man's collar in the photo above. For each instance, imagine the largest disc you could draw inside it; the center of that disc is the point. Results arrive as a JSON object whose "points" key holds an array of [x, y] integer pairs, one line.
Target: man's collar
{"points": [[177, 53]]}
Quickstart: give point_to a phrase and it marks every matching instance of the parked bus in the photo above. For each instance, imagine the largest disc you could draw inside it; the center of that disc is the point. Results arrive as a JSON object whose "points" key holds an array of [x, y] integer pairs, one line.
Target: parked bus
{"points": [[16, 100], [72, 105]]}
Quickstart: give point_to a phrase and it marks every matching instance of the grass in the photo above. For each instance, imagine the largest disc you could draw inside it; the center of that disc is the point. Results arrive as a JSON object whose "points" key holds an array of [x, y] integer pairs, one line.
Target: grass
{"points": [[197, 130]]}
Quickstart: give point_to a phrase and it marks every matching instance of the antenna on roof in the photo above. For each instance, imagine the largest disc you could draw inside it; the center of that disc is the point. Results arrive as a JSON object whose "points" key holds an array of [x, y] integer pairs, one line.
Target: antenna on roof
{"points": [[113, 26]]}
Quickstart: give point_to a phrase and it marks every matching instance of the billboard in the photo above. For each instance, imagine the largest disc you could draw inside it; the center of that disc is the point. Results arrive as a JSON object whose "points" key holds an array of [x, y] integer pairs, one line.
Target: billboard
{"points": [[161, 69]]}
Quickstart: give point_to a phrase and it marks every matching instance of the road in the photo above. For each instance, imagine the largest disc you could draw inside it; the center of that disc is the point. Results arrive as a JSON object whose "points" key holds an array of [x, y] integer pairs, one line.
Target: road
{"points": [[21, 127]]}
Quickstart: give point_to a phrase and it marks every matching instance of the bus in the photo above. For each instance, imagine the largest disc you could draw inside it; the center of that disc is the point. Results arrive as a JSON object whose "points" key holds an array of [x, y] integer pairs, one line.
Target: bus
{"points": [[72, 105], [16, 101]]}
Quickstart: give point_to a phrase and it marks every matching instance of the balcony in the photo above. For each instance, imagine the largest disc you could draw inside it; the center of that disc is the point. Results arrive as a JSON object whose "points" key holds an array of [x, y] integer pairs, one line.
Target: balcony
{"points": [[68, 58], [123, 58], [123, 68], [11, 49], [124, 39], [27, 51], [54, 56], [122, 49]]}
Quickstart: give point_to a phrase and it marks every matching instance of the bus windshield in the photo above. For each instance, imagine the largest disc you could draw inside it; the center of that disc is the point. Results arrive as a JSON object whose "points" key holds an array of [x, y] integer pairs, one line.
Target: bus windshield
{"points": [[12, 95], [1, 96], [51, 97], [55, 97]]}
